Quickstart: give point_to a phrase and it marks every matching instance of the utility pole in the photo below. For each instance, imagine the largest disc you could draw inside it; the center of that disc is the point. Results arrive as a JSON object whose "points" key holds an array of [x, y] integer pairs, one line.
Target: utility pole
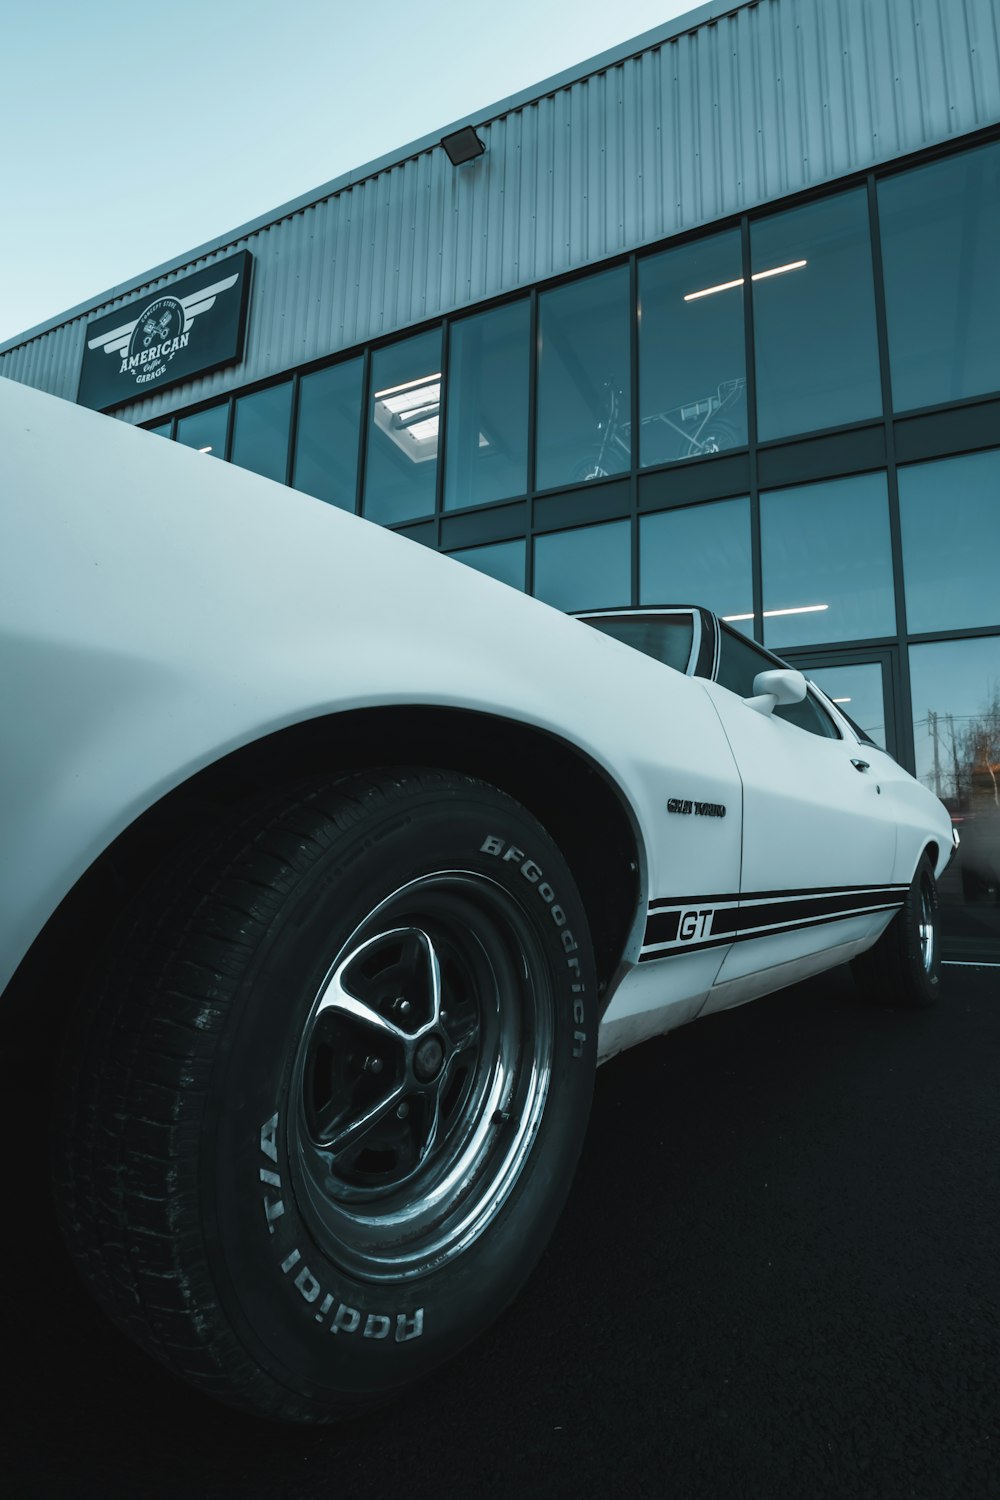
{"points": [[954, 761], [932, 722]]}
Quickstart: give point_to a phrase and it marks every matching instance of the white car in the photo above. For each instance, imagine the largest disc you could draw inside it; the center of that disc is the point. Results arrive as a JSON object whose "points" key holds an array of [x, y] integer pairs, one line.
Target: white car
{"points": [[333, 868]]}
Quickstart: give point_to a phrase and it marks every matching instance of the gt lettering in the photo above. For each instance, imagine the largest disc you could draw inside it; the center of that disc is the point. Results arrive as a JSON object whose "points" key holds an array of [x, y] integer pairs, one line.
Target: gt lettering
{"points": [[695, 924]]}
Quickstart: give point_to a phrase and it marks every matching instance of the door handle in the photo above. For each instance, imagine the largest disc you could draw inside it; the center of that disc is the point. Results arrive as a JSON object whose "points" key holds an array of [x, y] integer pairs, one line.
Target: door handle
{"points": [[859, 765]]}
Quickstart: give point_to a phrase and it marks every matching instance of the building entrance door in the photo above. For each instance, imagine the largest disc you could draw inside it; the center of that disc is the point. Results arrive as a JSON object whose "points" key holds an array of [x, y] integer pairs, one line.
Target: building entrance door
{"points": [[862, 683]]}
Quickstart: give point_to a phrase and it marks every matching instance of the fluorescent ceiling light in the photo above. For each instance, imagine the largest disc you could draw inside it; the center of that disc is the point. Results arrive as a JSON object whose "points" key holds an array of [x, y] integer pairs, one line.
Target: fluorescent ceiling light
{"points": [[205, 450], [407, 385], [769, 614], [793, 265], [840, 700], [709, 291], [724, 286]]}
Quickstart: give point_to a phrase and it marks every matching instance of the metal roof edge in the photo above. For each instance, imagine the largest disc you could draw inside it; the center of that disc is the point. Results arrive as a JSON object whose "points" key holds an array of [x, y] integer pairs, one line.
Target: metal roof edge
{"points": [[713, 10]]}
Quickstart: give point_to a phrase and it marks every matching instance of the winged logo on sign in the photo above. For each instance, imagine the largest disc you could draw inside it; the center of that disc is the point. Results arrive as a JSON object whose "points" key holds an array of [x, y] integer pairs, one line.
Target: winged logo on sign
{"points": [[149, 341]]}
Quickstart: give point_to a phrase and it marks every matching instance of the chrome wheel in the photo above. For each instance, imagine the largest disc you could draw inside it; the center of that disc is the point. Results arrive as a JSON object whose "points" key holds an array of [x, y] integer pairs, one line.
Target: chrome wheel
{"points": [[927, 926], [421, 1076]]}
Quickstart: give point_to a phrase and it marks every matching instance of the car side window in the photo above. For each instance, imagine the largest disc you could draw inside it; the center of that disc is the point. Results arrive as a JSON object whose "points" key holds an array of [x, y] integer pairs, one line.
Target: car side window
{"points": [[740, 661], [809, 715]]}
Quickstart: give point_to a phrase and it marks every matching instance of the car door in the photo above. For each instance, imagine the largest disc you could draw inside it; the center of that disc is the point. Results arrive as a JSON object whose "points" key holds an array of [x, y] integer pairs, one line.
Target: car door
{"points": [[818, 842], [693, 849]]}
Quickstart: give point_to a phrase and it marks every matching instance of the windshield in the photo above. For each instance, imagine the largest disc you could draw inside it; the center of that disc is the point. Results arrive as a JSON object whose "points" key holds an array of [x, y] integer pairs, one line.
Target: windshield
{"points": [[666, 638]]}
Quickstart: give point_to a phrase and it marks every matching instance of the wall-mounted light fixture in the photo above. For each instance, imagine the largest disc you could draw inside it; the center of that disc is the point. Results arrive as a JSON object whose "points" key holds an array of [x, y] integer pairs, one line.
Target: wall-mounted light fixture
{"points": [[463, 145]]}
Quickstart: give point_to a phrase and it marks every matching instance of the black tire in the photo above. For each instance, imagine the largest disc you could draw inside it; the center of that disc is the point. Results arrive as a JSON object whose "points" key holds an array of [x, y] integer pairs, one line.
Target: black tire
{"points": [[216, 1180], [904, 966]]}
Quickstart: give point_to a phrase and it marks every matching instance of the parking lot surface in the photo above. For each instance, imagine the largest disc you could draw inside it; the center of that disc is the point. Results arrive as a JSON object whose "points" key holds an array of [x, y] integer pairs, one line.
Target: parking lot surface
{"points": [[777, 1276]]}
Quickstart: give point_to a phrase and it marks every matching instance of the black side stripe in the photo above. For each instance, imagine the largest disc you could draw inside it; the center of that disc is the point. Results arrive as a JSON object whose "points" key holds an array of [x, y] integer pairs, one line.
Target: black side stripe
{"points": [[698, 923], [721, 899]]}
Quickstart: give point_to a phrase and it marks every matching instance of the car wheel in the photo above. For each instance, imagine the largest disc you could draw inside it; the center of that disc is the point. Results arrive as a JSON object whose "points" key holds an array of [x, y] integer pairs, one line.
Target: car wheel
{"points": [[904, 966], [717, 437], [319, 1115]]}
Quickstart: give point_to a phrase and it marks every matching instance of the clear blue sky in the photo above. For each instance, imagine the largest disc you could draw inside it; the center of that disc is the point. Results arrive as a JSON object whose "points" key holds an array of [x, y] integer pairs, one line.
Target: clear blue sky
{"points": [[132, 133]]}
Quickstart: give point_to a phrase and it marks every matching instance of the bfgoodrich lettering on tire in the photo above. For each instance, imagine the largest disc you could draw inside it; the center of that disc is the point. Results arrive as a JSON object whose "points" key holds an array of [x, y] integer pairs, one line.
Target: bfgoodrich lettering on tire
{"points": [[321, 1111]]}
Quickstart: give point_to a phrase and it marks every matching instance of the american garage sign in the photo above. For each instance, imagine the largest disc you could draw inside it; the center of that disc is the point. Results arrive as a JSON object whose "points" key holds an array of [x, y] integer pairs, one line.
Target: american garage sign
{"points": [[192, 326]]}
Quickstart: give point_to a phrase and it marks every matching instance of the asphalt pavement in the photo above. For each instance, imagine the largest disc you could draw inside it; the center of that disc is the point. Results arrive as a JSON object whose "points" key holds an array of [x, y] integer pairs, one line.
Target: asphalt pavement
{"points": [[777, 1277]]}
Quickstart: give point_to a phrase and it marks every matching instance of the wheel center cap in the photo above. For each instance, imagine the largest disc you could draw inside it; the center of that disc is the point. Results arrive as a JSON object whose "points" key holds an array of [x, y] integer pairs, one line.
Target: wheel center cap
{"points": [[428, 1059]]}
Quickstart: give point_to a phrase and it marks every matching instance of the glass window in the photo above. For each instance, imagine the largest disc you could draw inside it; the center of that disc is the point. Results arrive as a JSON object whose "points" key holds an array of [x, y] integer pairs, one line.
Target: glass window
{"points": [[950, 515], [502, 560], [584, 385], [405, 405], [699, 554], [692, 364], [857, 691], [326, 438], [739, 663], [955, 687], [206, 430], [589, 568], [260, 431], [666, 638], [162, 429], [940, 228], [956, 730], [810, 715], [487, 441], [814, 317], [827, 562]]}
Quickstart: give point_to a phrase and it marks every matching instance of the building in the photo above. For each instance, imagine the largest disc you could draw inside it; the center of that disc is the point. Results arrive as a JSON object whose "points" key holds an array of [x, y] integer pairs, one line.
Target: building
{"points": [[714, 317]]}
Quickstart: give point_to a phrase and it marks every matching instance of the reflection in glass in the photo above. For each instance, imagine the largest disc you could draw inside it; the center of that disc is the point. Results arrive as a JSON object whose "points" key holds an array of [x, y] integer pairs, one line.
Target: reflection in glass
{"points": [[940, 228], [857, 689], [487, 441], [584, 386], [666, 638], [692, 368], [827, 562], [502, 560], [699, 554], [326, 438], [814, 317], [589, 568], [950, 515], [955, 688], [260, 431], [205, 430], [403, 421]]}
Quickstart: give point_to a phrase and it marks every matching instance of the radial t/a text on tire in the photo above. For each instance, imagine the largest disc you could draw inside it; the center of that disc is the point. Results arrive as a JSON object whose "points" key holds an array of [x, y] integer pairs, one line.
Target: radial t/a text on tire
{"points": [[322, 1108]]}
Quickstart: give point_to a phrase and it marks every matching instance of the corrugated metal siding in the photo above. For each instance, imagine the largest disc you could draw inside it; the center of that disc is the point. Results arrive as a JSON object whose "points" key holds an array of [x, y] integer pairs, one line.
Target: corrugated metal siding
{"points": [[778, 96]]}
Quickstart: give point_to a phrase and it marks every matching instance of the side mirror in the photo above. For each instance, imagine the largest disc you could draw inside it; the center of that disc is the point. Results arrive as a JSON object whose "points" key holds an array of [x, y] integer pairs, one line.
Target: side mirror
{"points": [[783, 685]]}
